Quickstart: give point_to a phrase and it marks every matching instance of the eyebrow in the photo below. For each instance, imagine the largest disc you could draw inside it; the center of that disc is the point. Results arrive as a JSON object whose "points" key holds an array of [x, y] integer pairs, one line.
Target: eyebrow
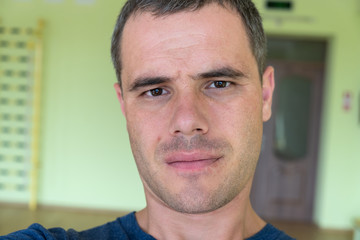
{"points": [[227, 72], [141, 82]]}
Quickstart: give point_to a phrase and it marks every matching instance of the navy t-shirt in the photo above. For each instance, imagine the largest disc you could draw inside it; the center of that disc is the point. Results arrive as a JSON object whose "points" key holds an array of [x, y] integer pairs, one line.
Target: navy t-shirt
{"points": [[124, 228]]}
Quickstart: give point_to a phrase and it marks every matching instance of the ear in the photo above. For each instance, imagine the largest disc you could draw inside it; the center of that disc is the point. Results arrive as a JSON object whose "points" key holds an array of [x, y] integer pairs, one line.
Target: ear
{"points": [[268, 85], [120, 97]]}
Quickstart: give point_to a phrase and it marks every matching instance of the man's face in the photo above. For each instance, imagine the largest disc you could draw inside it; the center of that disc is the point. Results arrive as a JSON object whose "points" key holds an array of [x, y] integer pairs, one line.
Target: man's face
{"points": [[194, 106]]}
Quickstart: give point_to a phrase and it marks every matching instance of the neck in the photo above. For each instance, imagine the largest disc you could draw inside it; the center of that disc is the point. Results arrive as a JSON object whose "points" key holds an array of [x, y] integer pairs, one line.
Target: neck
{"points": [[236, 220]]}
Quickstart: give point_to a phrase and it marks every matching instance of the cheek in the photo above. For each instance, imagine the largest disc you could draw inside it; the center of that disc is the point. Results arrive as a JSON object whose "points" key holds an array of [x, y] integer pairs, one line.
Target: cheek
{"points": [[242, 123], [238, 114], [144, 130]]}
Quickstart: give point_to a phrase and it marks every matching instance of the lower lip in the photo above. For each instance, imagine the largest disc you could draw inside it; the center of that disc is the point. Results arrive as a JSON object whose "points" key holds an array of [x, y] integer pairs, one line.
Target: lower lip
{"points": [[193, 165]]}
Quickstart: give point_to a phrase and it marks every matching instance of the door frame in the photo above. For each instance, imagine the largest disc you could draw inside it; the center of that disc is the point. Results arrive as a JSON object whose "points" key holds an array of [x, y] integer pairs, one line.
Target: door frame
{"points": [[327, 41]]}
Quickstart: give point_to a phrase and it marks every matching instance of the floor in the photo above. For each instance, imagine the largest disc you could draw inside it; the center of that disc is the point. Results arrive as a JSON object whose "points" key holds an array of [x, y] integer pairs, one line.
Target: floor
{"points": [[13, 218], [305, 231]]}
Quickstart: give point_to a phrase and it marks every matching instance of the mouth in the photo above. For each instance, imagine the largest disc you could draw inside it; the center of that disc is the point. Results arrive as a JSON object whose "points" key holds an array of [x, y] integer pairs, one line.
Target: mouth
{"points": [[191, 161]]}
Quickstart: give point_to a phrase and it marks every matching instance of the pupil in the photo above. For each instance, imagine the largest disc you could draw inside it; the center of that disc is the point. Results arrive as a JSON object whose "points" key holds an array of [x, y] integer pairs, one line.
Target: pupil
{"points": [[220, 84], [156, 92]]}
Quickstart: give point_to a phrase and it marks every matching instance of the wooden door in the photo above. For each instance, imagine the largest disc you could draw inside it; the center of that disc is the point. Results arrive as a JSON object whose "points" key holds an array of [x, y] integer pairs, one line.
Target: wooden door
{"points": [[284, 182]]}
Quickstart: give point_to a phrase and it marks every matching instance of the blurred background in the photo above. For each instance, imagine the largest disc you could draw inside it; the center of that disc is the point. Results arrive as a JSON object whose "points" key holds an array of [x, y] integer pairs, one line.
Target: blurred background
{"points": [[63, 139]]}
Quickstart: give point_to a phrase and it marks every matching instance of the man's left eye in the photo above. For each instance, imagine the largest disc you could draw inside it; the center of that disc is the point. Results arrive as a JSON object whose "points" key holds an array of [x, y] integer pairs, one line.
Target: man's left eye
{"points": [[220, 84]]}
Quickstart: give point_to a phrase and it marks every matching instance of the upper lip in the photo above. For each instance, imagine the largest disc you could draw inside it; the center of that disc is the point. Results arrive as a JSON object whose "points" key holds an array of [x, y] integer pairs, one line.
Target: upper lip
{"points": [[189, 157]]}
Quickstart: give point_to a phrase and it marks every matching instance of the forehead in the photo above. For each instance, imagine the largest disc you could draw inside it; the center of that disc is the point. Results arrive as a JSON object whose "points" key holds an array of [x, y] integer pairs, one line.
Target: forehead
{"points": [[212, 32]]}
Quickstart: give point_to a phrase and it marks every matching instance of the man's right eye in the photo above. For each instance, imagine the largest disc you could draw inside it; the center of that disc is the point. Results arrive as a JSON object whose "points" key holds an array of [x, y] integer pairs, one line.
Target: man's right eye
{"points": [[155, 92]]}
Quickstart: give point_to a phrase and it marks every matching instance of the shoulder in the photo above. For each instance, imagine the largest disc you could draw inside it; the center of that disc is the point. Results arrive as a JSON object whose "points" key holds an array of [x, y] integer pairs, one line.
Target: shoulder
{"points": [[124, 228], [38, 232], [269, 232], [111, 230]]}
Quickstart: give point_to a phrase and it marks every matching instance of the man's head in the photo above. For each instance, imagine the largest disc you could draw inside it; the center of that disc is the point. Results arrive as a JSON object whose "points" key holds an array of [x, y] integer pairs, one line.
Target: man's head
{"points": [[245, 8], [194, 104]]}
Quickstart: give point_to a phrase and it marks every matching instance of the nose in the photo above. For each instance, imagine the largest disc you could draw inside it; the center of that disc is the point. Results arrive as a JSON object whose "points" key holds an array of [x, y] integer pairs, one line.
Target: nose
{"points": [[188, 116]]}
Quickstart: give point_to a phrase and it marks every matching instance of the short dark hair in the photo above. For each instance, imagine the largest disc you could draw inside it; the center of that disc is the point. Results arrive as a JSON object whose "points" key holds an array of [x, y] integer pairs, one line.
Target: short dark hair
{"points": [[245, 8]]}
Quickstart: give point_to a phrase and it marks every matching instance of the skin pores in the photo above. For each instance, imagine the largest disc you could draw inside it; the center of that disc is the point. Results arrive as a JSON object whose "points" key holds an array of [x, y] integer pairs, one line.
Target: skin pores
{"points": [[194, 106]]}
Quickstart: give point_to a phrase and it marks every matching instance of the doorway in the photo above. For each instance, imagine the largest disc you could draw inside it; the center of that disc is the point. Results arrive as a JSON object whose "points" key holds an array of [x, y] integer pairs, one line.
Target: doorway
{"points": [[285, 179]]}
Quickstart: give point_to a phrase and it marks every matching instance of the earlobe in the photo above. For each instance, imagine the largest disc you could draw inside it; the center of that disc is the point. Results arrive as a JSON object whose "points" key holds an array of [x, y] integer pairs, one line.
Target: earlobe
{"points": [[268, 85], [120, 97]]}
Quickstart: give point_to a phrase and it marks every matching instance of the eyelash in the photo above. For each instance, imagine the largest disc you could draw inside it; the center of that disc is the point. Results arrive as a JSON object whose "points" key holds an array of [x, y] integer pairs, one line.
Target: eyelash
{"points": [[158, 92], [227, 84], [150, 93]]}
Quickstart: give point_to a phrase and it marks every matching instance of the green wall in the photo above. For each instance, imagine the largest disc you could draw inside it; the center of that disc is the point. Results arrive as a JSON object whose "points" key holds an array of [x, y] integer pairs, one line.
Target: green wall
{"points": [[85, 155], [86, 160]]}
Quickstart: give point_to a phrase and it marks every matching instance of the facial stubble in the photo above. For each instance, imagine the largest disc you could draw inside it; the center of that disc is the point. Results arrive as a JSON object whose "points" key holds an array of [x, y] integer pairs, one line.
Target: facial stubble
{"points": [[195, 196]]}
